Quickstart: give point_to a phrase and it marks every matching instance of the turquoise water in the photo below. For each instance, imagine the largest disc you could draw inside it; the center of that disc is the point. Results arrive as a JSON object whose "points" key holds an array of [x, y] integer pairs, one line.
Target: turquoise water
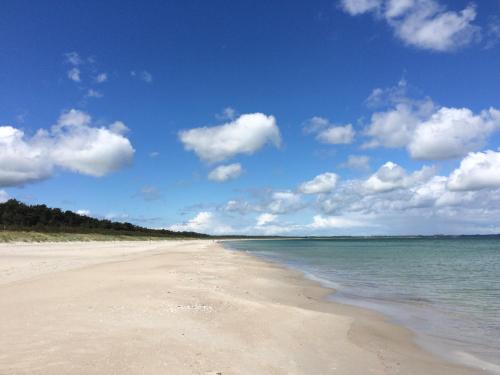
{"points": [[446, 290]]}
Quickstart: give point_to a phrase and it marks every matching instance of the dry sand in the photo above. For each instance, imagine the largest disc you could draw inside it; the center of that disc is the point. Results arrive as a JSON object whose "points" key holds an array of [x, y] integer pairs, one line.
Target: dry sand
{"points": [[184, 307]]}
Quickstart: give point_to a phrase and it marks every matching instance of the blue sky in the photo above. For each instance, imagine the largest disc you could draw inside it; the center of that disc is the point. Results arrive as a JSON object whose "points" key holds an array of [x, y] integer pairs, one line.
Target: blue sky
{"points": [[320, 117]]}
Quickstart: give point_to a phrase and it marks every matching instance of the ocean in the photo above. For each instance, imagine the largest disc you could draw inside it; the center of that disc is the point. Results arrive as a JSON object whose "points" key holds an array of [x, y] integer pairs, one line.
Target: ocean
{"points": [[446, 290]]}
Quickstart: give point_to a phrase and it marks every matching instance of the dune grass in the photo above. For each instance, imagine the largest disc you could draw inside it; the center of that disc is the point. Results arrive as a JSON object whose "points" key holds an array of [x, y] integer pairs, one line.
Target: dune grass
{"points": [[31, 236]]}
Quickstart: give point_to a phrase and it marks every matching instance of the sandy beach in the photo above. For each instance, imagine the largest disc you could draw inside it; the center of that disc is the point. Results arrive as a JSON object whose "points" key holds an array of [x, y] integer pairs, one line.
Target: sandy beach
{"points": [[184, 307]]}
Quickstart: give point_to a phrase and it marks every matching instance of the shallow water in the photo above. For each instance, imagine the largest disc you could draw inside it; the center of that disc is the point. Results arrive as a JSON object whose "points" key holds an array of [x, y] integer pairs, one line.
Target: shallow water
{"points": [[447, 290]]}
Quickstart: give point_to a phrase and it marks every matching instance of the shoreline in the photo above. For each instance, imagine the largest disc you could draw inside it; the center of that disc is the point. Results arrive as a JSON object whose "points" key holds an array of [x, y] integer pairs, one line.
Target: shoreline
{"points": [[431, 345], [189, 307], [469, 362]]}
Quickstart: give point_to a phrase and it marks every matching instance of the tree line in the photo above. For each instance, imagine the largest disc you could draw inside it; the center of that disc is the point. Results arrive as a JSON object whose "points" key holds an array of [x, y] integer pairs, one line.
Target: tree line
{"points": [[15, 215]]}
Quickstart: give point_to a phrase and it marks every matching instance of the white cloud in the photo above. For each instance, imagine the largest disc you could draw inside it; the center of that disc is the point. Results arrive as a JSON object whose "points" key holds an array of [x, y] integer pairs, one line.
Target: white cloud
{"points": [[242, 207], [429, 132], [327, 132], [74, 74], [79, 147], [390, 95], [355, 7], [23, 160], [91, 93], [73, 143], [101, 77], [265, 219], [73, 58], [421, 202], [316, 124], [396, 8], [391, 176], [154, 154], [360, 162], [331, 222], [119, 128], [337, 135], [395, 127], [477, 170], [323, 183], [284, 202], [268, 201], [245, 135], [391, 201], [83, 212], [4, 196], [203, 222], [427, 27], [225, 172], [452, 132], [423, 24]]}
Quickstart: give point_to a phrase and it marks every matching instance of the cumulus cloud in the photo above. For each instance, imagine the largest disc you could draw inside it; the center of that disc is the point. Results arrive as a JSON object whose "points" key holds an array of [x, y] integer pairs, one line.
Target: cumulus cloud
{"points": [[245, 135], [79, 147], [478, 170], [392, 201], [395, 127], [391, 176], [266, 201], [101, 77], [225, 172], [23, 160], [421, 201], [83, 212], [284, 202], [427, 26], [429, 132], [74, 74], [360, 162], [327, 132], [424, 24], [119, 128], [203, 222], [331, 222], [323, 183], [337, 135], [265, 219], [72, 143], [452, 132]]}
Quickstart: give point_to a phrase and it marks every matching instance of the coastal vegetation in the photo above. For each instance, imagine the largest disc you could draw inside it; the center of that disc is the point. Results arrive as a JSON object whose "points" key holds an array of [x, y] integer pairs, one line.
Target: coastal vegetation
{"points": [[22, 222]]}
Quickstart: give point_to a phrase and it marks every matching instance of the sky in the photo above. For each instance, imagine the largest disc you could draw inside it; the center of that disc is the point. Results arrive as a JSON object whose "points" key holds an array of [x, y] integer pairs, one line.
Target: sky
{"points": [[340, 117]]}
